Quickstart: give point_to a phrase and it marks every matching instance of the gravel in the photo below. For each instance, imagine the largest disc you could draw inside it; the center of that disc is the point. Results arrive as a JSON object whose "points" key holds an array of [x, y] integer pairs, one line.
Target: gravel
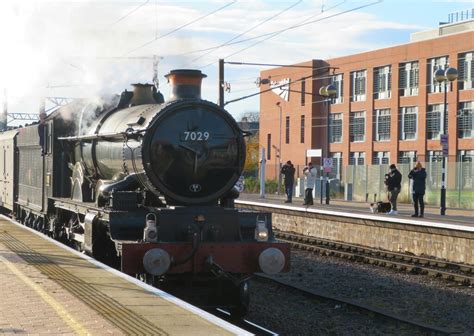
{"points": [[420, 298]]}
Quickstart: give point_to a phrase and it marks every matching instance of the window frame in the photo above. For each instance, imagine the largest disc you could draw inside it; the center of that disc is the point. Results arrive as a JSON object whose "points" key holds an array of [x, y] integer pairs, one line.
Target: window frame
{"points": [[332, 118], [377, 116], [403, 114], [352, 125]]}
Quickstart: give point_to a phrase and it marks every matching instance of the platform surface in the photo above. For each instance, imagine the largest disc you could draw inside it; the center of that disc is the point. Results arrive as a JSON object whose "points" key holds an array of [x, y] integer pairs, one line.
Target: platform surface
{"points": [[457, 219], [48, 289]]}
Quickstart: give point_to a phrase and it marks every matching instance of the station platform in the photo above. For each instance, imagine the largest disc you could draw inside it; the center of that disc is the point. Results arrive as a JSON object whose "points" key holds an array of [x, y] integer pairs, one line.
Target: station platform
{"points": [[449, 237], [47, 288]]}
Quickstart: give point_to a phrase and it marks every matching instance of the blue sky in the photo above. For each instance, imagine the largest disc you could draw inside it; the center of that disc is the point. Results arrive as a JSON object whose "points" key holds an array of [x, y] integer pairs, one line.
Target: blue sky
{"points": [[75, 44]]}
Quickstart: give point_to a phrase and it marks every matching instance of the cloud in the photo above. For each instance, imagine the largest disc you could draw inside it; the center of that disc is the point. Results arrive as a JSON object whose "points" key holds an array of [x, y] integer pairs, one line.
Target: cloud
{"points": [[78, 44]]}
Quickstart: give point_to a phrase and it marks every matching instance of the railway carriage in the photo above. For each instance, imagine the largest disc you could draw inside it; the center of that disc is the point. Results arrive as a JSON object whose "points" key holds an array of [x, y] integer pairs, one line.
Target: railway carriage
{"points": [[147, 186]]}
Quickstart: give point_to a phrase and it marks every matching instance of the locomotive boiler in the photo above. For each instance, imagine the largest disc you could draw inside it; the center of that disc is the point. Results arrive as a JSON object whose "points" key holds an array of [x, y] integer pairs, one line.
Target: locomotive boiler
{"points": [[148, 185]]}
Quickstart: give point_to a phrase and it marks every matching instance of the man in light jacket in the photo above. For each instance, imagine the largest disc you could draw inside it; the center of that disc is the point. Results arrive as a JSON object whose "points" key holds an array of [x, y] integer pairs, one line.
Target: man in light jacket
{"points": [[310, 174]]}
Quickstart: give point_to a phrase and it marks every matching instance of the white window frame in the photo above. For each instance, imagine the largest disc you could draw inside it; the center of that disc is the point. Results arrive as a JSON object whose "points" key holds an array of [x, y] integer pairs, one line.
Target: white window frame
{"points": [[412, 75], [358, 91], [442, 122], [337, 163], [379, 113], [435, 64], [356, 156], [338, 81], [358, 114], [404, 112], [332, 117], [467, 80], [379, 158], [466, 110], [382, 82], [410, 155]]}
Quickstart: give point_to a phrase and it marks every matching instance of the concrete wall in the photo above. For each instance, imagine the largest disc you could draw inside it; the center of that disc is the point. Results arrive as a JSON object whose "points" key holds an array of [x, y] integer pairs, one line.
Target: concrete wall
{"points": [[447, 244]]}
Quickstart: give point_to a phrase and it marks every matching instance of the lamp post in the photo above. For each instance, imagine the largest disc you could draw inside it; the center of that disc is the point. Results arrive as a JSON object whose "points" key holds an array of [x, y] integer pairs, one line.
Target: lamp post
{"points": [[444, 76], [328, 91], [279, 153]]}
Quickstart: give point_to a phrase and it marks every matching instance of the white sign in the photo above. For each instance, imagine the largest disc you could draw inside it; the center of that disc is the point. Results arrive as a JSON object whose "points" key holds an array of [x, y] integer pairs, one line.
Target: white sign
{"points": [[314, 153], [281, 88]]}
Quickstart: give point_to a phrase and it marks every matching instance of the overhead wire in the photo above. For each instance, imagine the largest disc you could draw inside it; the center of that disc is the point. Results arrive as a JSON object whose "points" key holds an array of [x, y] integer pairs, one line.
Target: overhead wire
{"points": [[130, 13], [247, 31], [249, 38], [156, 38], [304, 23]]}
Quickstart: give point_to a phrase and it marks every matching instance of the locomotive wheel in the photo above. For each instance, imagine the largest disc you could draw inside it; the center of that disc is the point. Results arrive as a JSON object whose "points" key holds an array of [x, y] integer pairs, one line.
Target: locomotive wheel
{"points": [[237, 298]]}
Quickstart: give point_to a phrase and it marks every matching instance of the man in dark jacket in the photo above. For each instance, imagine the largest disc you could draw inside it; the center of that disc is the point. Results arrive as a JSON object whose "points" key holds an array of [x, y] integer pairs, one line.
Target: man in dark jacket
{"points": [[418, 175], [288, 171], [393, 180]]}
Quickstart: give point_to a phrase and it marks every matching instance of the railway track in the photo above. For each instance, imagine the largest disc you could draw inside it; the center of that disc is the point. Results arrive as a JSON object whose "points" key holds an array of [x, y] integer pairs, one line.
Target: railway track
{"points": [[375, 312], [460, 273]]}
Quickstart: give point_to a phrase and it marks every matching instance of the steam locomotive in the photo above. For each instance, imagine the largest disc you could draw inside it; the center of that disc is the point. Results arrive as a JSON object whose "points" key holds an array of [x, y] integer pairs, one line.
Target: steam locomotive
{"points": [[145, 185]]}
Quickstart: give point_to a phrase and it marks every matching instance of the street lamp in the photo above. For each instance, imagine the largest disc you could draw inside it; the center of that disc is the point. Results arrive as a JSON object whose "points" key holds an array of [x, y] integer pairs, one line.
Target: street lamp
{"points": [[444, 76], [328, 91], [279, 153]]}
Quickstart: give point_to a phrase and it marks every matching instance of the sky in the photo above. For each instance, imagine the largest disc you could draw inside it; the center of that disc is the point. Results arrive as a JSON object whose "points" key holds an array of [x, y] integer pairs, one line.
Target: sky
{"points": [[79, 48]]}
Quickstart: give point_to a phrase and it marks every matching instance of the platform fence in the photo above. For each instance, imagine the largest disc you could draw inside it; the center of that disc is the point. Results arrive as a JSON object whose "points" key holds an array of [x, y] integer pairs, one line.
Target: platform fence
{"points": [[365, 183]]}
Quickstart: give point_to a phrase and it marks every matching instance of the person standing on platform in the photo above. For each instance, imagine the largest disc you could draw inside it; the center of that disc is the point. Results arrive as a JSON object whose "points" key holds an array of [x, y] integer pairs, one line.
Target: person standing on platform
{"points": [[310, 174], [418, 175], [393, 180], [288, 171]]}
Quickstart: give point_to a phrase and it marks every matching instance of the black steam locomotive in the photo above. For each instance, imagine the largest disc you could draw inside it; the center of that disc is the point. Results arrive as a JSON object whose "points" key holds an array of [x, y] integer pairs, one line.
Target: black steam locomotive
{"points": [[146, 185]]}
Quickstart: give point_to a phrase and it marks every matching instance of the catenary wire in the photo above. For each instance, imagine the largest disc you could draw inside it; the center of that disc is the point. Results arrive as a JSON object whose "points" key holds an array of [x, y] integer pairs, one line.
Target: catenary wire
{"points": [[297, 26], [130, 12], [179, 28], [247, 31]]}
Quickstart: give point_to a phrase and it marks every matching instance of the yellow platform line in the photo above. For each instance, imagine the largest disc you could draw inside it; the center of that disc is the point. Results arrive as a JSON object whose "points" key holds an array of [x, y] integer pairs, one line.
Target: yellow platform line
{"points": [[58, 308]]}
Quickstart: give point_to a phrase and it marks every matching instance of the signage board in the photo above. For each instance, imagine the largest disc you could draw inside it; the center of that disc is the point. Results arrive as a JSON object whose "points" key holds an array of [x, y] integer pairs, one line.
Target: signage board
{"points": [[327, 165], [314, 153], [444, 144]]}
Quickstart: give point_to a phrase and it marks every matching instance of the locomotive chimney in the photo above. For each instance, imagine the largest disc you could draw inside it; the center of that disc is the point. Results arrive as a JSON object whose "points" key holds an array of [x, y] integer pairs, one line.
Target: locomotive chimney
{"points": [[142, 94], [185, 83]]}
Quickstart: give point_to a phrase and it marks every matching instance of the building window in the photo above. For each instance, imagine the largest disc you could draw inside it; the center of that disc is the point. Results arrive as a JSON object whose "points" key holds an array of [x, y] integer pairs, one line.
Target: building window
{"points": [[382, 125], [269, 146], [466, 120], [433, 65], [358, 81], [466, 71], [337, 81], [357, 126], [436, 121], [407, 157], [381, 158], [336, 163], [287, 128], [409, 79], [408, 123], [382, 82], [357, 158], [302, 129], [335, 127], [466, 159], [303, 91], [435, 161]]}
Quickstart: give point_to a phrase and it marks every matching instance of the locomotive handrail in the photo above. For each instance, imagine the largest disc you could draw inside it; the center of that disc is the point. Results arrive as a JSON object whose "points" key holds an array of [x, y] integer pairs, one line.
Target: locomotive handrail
{"points": [[119, 135]]}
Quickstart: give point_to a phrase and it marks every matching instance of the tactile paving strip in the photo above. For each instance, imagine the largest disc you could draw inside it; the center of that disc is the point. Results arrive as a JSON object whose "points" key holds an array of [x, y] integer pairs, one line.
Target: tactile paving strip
{"points": [[123, 318]]}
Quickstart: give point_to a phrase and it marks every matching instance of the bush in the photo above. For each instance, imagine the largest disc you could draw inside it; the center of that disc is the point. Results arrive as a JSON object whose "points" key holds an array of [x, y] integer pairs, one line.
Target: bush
{"points": [[252, 185]]}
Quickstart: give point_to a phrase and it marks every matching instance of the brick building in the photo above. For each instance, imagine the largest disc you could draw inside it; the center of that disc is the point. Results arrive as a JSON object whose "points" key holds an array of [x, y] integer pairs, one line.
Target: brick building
{"points": [[388, 107]]}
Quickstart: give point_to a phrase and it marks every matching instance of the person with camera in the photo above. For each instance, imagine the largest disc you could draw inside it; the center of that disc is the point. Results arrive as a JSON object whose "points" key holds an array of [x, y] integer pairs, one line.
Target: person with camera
{"points": [[418, 175]]}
